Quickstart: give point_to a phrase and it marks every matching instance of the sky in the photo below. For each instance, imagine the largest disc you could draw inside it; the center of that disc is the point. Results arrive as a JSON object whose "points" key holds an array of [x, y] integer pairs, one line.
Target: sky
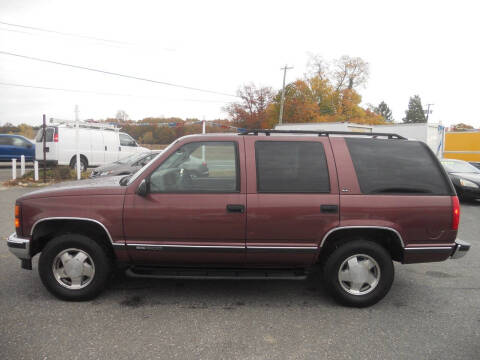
{"points": [[429, 48]]}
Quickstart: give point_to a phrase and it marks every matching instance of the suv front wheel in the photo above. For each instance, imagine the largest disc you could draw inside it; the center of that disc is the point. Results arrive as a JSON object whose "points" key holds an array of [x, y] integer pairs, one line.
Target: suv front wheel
{"points": [[358, 273], [74, 267]]}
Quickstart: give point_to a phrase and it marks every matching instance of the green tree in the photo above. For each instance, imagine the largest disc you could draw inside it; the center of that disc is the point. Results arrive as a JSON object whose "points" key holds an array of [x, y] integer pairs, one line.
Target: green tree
{"points": [[384, 111], [415, 113]]}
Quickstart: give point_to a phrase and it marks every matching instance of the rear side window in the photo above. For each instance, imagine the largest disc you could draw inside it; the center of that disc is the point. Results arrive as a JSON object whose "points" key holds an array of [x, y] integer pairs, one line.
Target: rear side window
{"points": [[49, 131], [291, 167], [396, 167]]}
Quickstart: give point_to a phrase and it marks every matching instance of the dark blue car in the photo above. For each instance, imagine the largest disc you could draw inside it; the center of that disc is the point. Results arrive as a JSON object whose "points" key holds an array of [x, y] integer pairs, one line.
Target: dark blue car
{"points": [[14, 146]]}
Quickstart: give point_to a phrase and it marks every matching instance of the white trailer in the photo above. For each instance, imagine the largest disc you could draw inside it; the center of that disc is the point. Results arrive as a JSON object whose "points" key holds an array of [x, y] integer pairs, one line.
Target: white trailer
{"points": [[431, 134]]}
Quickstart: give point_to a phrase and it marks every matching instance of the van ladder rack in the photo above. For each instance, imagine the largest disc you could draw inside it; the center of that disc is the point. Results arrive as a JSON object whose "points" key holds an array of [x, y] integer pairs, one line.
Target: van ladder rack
{"points": [[267, 132], [84, 124]]}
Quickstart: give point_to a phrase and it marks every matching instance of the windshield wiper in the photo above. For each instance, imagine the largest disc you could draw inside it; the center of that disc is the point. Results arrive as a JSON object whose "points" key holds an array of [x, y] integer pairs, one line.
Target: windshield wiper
{"points": [[124, 180]]}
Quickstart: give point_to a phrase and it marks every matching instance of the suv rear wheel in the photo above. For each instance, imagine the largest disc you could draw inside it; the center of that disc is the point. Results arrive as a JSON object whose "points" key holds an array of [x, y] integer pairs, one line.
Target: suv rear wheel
{"points": [[358, 273], [74, 267]]}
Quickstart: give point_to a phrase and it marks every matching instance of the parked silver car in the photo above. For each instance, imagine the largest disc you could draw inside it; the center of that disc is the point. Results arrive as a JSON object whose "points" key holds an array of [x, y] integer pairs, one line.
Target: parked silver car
{"points": [[125, 166]]}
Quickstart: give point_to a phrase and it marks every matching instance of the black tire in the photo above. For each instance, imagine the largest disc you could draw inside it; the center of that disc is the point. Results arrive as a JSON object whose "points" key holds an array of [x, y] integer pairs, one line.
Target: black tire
{"points": [[83, 163], [336, 262], [98, 257]]}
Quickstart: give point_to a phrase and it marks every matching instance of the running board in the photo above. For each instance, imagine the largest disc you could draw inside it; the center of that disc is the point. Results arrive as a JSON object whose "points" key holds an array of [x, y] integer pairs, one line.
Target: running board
{"points": [[216, 274]]}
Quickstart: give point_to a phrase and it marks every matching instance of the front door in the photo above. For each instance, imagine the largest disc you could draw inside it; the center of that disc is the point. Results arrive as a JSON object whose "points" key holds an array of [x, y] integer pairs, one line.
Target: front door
{"points": [[127, 147], [292, 199], [195, 209]]}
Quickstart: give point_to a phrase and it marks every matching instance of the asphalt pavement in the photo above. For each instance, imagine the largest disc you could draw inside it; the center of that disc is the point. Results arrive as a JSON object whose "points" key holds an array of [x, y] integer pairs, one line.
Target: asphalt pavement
{"points": [[431, 312], [6, 171]]}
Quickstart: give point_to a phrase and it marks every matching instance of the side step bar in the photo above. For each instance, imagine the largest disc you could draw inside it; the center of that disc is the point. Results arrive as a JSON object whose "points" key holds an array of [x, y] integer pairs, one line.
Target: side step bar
{"points": [[216, 274]]}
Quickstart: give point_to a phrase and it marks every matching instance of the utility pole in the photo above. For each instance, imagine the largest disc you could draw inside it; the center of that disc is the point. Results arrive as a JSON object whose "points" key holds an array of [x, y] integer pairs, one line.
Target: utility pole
{"points": [[77, 157], [280, 117], [44, 134], [428, 110]]}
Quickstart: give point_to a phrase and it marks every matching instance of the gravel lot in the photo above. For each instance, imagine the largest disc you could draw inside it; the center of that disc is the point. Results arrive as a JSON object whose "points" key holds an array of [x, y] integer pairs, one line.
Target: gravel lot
{"points": [[432, 312]]}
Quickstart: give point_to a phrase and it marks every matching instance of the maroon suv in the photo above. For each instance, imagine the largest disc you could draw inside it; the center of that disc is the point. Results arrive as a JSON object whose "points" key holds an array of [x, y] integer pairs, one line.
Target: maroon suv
{"points": [[274, 205]]}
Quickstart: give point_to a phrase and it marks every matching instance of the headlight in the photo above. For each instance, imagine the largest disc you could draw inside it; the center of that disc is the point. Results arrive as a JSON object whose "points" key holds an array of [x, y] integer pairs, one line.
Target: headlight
{"points": [[469, 184], [104, 173]]}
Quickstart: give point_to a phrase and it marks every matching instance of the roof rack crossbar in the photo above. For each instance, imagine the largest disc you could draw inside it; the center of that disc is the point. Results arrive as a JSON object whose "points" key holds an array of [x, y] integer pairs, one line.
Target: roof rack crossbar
{"points": [[267, 132]]}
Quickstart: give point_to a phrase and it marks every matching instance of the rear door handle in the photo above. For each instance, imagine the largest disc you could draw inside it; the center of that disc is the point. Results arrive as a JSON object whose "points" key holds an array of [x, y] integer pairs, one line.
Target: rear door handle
{"points": [[235, 208], [331, 209]]}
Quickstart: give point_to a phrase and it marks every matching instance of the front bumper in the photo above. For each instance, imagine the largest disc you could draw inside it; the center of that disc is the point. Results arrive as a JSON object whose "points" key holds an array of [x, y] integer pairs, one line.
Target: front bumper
{"points": [[460, 249], [19, 247]]}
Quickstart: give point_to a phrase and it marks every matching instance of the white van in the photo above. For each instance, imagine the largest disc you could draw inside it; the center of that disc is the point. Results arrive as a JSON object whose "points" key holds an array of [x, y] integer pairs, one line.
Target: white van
{"points": [[99, 144]]}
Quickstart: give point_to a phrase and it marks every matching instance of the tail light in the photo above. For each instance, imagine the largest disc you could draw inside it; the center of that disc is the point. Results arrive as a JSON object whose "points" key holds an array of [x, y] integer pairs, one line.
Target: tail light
{"points": [[18, 227], [455, 213], [55, 137]]}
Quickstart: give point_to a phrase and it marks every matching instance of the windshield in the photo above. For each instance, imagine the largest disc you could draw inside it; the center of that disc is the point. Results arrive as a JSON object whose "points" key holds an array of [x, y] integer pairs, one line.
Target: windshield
{"points": [[132, 158], [459, 166], [133, 177]]}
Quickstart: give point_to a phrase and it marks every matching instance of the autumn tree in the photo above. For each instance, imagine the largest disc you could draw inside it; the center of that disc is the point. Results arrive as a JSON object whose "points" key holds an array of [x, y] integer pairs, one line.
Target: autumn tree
{"points": [[250, 111], [122, 115], [415, 113], [384, 111], [328, 93], [349, 73], [461, 127]]}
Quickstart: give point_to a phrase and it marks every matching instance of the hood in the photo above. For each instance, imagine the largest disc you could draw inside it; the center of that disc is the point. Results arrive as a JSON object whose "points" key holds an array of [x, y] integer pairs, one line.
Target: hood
{"points": [[115, 168], [99, 186], [468, 176]]}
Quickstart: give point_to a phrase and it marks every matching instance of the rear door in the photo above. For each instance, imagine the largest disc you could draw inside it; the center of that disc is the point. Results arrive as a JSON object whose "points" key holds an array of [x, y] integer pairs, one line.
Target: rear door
{"points": [[189, 217], [52, 138], [292, 198], [22, 147]]}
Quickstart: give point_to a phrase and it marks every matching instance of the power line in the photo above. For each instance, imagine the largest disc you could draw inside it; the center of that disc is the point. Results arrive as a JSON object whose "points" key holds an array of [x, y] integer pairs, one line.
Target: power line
{"points": [[16, 31], [99, 93], [65, 33], [115, 74]]}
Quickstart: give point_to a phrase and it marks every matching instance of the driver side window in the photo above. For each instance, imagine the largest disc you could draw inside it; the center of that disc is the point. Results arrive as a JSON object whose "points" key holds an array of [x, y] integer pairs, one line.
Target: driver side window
{"points": [[127, 140], [199, 167]]}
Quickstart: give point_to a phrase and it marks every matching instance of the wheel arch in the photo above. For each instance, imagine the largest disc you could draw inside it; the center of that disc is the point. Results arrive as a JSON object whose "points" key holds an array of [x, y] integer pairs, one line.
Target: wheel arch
{"points": [[387, 237], [82, 157], [46, 229]]}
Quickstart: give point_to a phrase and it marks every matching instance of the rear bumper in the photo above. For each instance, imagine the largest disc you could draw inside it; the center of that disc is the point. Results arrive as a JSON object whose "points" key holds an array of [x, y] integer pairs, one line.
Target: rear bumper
{"points": [[460, 249], [435, 253], [19, 247]]}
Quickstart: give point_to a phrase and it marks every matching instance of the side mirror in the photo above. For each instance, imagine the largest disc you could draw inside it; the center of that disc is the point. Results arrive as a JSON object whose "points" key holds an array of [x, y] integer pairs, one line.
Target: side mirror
{"points": [[143, 188]]}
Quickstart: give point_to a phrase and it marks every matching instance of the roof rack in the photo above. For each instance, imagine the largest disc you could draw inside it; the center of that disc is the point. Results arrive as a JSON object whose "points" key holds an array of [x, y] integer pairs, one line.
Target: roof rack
{"points": [[267, 132], [84, 124]]}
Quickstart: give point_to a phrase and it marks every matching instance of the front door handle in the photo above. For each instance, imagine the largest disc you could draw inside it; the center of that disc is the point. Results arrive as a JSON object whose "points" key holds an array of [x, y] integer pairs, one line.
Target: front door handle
{"points": [[235, 208], [331, 209]]}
